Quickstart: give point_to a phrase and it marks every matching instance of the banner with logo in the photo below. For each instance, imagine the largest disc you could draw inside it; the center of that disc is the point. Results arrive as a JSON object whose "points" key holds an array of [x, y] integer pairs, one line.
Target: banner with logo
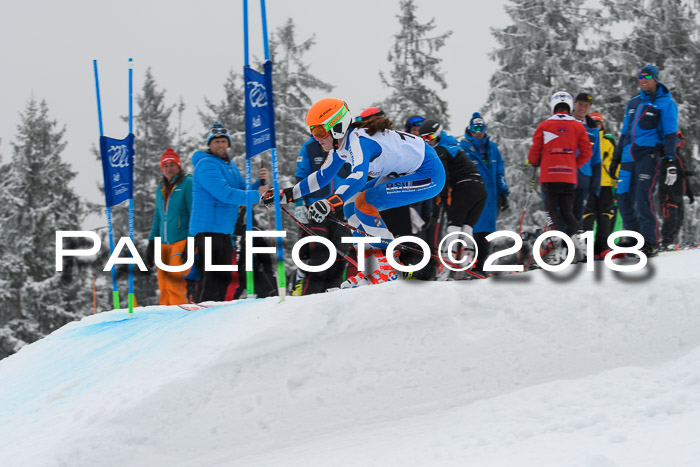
{"points": [[117, 168], [259, 111]]}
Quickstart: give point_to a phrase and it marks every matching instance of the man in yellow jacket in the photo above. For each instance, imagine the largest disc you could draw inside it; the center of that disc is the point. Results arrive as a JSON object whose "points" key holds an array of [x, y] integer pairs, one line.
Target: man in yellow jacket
{"points": [[601, 208]]}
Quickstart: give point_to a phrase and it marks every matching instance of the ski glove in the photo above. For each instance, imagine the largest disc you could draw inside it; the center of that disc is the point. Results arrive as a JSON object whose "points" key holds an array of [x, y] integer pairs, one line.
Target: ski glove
{"points": [[268, 198], [302, 214], [503, 203], [612, 170], [319, 210], [671, 176]]}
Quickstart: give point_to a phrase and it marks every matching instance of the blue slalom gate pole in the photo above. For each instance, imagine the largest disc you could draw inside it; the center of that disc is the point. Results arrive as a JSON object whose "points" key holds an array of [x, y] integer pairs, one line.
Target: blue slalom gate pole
{"points": [[115, 289], [131, 200], [249, 275], [281, 272]]}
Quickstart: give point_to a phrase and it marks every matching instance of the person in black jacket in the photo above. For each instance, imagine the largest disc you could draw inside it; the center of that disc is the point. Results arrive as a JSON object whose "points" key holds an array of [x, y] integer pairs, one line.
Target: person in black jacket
{"points": [[464, 194], [673, 184]]}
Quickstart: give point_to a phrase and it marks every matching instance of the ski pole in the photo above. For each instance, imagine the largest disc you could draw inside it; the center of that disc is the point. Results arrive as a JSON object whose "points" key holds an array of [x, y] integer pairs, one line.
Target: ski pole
{"points": [[404, 247], [310, 232]]}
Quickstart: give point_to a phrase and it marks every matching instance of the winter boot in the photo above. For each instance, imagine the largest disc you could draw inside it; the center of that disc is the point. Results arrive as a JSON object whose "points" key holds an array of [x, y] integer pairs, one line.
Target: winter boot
{"points": [[383, 271], [298, 288], [579, 246], [362, 278], [357, 280], [469, 251], [453, 252]]}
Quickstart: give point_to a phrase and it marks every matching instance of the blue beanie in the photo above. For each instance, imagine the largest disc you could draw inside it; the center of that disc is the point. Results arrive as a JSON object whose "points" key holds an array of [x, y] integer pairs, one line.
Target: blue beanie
{"points": [[476, 120], [218, 131], [650, 70]]}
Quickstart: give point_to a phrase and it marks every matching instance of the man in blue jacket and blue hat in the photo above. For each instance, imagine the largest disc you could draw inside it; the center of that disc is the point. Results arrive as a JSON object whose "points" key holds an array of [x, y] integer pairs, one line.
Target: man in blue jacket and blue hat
{"points": [[218, 190], [485, 154], [648, 134]]}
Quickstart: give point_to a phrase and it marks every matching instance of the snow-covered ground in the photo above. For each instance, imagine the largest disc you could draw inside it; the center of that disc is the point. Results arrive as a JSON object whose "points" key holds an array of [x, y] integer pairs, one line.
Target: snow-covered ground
{"points": [[573, 369]]}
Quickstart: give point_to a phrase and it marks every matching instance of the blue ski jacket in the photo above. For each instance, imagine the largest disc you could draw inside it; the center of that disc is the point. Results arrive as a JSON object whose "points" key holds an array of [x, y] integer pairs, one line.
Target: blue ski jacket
{"points": [[217, 192], [485, 154], [311, 158], [449, 142], [651, 120], [171, 220], [589, 173]]}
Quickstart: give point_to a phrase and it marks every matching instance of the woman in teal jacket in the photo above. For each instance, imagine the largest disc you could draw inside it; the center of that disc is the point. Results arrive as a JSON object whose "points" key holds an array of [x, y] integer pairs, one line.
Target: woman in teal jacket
{"points": [[171, 222]]}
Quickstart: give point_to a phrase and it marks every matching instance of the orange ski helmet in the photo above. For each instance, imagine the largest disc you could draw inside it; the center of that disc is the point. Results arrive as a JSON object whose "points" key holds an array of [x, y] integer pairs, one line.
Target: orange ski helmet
{"points": [[329, 116]]}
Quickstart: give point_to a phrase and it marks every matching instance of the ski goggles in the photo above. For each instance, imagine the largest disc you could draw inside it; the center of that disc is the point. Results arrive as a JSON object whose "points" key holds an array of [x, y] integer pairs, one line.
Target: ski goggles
{"points": [[429, 137], [646, 76], [477, 128], [323, 130], [218, 131]]}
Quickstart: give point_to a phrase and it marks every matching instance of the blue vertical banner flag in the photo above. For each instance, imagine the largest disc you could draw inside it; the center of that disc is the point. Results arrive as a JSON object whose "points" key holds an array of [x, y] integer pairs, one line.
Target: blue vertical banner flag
{"points": [[260, 136], [259, 113], [117, 168]]}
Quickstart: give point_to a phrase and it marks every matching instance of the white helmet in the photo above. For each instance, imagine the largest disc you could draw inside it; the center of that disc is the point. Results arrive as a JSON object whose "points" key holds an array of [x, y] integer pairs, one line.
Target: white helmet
{"points": [[561, 97]]}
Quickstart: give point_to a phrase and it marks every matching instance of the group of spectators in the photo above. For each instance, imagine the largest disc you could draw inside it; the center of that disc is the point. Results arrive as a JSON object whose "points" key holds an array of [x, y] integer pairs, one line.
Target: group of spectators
{"points": [[585, 175]]}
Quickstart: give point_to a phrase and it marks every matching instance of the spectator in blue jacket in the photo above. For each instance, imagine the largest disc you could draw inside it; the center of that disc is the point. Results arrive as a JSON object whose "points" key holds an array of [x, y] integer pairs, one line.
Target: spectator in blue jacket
{"points": [[588, 176], [485, 154], [648, 133], [217, 192], [311, 158]]}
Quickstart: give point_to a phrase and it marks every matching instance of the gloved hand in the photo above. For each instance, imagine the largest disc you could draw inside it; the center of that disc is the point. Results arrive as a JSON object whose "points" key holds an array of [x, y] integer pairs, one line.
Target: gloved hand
{"points": [[670, 176], [150, 254], [268, 197], [612, 170], [319, 210], [302, 214], [691, 198], [669, 157], [503, 203]]}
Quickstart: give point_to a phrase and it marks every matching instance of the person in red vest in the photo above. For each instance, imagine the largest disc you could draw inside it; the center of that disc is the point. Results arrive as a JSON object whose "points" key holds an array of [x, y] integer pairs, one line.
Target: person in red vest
{"points": [[560, 146]]}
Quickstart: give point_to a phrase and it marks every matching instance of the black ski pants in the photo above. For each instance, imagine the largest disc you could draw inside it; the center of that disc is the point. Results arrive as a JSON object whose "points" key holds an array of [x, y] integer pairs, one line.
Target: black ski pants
{"points": [[560, 197], [601, 210]]}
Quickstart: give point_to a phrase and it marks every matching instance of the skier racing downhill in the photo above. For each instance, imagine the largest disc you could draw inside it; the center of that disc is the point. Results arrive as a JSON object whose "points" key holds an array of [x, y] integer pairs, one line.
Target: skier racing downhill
{"points": [[388, 169]]}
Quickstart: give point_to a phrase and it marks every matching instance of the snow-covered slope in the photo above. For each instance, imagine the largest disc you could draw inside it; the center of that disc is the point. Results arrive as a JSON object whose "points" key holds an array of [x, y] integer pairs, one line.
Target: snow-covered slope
{"points": [[590, 369]]}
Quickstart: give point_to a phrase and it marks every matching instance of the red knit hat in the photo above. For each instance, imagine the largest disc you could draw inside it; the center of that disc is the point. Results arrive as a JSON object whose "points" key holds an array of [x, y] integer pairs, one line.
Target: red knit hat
{"points": [[170, 156]]}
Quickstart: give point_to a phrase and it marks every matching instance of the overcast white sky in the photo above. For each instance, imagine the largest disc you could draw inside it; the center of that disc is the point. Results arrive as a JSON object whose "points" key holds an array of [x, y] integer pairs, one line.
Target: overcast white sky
{"points": [[48, 48]]}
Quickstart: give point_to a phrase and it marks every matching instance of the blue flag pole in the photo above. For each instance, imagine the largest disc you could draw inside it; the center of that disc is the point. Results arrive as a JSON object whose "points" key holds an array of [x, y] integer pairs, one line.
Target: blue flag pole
{"points": [[115, 289], [249, 275], [281, 273], [131, 199]]}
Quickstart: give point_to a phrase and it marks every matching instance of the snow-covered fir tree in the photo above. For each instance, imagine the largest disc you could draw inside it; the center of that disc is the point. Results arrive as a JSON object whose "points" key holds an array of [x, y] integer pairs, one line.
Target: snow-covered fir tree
{"points": [[38, 200], [292, 81], [229, 111], [415, 72], [538, 54]]}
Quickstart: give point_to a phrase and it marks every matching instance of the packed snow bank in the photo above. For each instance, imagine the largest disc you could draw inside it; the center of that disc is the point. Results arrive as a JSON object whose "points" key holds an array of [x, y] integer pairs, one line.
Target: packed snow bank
{"points": [[591, 369]]}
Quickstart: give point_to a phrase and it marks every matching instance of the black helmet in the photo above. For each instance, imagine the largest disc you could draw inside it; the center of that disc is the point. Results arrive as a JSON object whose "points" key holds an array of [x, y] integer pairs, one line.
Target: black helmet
{"points": [[430, 130]]}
